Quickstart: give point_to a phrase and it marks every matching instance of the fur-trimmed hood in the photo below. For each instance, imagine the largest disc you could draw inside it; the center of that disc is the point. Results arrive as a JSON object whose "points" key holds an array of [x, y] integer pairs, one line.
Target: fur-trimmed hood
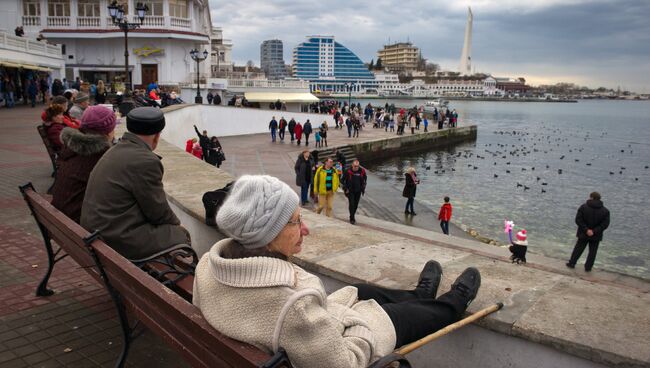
{"points": [[84, 144]]}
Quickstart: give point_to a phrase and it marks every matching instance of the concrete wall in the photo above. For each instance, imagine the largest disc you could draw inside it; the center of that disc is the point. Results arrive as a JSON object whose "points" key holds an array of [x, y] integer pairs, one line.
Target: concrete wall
{"points": [[225, 121], [390, 147]]}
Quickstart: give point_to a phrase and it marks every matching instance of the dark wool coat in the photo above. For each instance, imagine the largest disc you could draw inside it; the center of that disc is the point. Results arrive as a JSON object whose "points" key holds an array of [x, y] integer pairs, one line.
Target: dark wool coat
{"points": [[303, 169], [75, 162], [592, 215], [409, 186], [125, 200]]}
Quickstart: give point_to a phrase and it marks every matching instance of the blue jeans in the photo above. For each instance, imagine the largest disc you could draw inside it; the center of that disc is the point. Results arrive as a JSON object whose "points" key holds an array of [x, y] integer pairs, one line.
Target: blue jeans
{"points": [[304, 193], [409, 204], [445, 227], [272, 135], [10, 99]]}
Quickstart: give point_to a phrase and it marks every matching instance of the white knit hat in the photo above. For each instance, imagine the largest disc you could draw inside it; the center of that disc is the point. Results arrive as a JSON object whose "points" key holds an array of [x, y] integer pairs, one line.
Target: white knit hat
{"points": [[522, 238], [256, 210]]}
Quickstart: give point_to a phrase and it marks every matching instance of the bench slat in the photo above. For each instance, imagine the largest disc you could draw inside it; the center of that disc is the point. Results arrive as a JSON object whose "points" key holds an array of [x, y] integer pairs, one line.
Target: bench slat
{"points": [[175, 316]]}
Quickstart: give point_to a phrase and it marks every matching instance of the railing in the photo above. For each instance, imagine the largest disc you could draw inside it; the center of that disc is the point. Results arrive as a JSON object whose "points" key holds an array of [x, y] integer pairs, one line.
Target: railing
{"points": [[88, 21], [265, 83], [29, 20], [180, 22], [58, 21], [150, 21], [26, 45]]}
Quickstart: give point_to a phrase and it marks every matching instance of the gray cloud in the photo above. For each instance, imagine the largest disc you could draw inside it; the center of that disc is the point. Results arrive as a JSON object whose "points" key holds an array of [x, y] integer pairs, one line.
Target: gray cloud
{"points": [[587, 42]]}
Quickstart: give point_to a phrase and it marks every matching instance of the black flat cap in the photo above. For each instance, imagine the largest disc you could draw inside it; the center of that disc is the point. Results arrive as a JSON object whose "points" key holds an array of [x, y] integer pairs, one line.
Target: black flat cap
{"points": [[145, 121]]}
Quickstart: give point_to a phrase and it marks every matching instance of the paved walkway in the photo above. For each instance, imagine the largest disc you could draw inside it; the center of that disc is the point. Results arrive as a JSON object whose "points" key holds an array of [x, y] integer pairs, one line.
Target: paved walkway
{"points": [[76, 326], [256, 154]]}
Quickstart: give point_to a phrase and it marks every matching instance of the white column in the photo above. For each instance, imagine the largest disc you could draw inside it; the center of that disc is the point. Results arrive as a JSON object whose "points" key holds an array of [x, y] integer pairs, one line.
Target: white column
{"points": [[103, 14], [43, 14], [74, 13]]}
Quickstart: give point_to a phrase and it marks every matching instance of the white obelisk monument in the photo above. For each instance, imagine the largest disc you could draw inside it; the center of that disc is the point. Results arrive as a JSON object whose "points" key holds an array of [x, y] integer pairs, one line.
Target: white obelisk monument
{"points": [[466, 56]]}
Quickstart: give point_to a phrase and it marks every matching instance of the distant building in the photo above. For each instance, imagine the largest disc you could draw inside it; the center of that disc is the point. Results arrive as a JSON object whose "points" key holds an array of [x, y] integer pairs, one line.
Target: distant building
{"points": [[512, 85], [330, 66], [221, 53], [272, 59], [399, 57]]}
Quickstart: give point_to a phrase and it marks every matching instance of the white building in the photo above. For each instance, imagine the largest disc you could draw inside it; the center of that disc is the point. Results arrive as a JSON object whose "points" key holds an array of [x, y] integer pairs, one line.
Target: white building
{"points": [[28, 54], [93, 47]]}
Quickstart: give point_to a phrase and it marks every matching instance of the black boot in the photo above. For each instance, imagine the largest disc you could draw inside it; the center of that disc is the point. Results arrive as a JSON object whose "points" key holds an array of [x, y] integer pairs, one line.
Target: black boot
{"points": [[466, 286], [429, 279]]}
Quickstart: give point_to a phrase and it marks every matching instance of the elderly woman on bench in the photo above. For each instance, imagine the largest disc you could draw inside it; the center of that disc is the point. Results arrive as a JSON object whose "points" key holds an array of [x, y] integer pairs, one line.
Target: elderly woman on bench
{"points": [[247, 288]]}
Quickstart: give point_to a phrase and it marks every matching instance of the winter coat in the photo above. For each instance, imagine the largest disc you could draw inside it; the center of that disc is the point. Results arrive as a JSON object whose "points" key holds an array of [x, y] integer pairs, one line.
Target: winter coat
{"points": [[271, 303], [75, 162], [445, 212], [188, 146], [320, 178], [282, 125], [197, 151], [67, 120], [291, 126], [298, 130], [303, 169], [306, 129], [273, 125], [355, 181], [410, 186], [54, 135], [592, 215], [125, 200], [204, 140]]}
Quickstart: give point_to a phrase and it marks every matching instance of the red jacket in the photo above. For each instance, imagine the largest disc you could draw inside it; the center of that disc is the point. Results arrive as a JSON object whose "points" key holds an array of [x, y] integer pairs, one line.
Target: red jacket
{"points": [[298, 130], [188, 146], [197, 151], [67, 120], [445, 212], [54, 135]]}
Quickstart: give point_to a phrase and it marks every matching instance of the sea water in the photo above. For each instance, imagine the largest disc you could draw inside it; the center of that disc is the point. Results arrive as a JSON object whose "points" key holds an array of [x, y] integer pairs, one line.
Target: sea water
{"points": [[561, 152]]}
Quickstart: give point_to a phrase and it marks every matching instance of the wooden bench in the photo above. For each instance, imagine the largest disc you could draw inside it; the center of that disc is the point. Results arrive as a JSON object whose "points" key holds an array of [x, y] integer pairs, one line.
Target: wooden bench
{"points": [[140, 297]]}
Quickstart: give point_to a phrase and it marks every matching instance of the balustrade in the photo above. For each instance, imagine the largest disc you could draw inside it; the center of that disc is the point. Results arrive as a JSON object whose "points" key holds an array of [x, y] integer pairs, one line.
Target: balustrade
{"points": [[58, 21], [180, 22], [31, 20], [88, 22]]}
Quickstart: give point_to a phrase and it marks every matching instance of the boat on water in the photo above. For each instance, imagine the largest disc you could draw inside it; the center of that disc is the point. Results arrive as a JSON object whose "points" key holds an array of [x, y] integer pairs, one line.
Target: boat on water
{"points": [[436, 103]]}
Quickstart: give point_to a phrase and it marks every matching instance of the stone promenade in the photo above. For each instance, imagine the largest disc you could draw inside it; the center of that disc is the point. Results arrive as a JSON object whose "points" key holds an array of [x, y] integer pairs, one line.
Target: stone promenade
{"points": [[76, 326]]}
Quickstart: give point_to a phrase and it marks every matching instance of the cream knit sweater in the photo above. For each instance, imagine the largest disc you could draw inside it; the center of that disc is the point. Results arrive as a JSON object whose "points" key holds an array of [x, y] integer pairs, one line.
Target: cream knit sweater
{"points": [[271, 303]]}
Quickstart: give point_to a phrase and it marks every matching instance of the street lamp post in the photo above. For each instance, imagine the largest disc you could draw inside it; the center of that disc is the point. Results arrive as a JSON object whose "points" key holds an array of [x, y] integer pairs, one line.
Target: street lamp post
{"points": [[349, 86], [196, 56], [121, 20]]}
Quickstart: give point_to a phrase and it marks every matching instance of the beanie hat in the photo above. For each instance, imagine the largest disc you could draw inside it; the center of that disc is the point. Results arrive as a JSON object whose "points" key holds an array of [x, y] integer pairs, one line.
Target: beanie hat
{"points": [[81, 97], [145, 121], [521, 238], [256, 210], [99, 119]]}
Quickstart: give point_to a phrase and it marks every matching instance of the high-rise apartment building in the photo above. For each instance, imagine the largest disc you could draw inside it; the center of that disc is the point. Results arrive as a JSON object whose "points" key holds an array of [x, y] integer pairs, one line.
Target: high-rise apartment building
{"points": [[321, 58], [272, 59], [399, 57]]}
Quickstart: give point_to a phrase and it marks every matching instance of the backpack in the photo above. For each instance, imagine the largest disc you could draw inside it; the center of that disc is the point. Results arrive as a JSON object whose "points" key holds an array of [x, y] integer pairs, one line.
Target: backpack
{"points": [[212, 201]]}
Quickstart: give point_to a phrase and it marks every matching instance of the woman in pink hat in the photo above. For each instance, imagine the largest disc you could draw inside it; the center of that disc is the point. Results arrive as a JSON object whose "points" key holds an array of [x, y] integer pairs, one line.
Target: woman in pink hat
{"points": [[82, 149]]}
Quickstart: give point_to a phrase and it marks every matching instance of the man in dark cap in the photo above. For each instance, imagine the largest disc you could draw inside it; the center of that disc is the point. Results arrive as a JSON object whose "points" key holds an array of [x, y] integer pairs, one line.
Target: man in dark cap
{"points": [[125, 199]]}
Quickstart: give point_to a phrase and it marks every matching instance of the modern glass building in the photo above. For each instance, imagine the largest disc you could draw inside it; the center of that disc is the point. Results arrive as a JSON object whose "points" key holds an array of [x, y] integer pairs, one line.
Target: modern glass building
{"points": [[330, 66], [272, 59]]}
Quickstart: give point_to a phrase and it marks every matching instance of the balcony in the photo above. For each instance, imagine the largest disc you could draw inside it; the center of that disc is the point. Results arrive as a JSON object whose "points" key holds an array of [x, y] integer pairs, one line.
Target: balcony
{"points": [[88, 22], [29, 21], [58, 22], [150, 22]]}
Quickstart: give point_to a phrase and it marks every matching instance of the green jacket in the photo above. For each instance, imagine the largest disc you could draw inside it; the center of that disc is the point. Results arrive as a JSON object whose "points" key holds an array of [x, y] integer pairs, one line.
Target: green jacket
{"points": [[125, 200], [320, 180]]}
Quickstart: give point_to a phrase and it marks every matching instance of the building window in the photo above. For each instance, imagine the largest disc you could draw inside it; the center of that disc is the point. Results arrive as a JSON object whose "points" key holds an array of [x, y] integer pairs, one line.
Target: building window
{"points": [[31, 8], [155, 7], [58, 8], [89, 8], [178, 8]]}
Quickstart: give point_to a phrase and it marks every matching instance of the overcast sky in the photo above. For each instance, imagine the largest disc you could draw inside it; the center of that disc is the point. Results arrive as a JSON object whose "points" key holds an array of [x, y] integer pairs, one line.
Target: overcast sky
{"points": [[587, 42]]}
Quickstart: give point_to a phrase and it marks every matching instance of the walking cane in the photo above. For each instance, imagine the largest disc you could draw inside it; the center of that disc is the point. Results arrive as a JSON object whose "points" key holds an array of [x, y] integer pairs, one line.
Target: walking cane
{"points": [[398, 355]]}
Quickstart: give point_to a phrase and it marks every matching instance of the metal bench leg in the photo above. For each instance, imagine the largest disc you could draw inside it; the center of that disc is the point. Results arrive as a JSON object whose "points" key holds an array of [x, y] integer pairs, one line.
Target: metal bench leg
{"points": [[127, 331]]}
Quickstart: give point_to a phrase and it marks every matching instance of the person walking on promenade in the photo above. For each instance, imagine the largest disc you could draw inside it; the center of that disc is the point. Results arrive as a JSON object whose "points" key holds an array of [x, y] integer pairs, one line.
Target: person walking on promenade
{"points": [[592, 220], [304, 175], [356, 125], [410, 187], [348, 124], [412, 122], [204, 141], [44, 88], [354, 184], [215, 154], [292, 127], [454, 116], [32, 90], [8, 89], [444, 215], [326, 183], [298, 132], [82, 149], [317, 139], [248, 289], [340, 157], [307, 130], [425, 121], [438, 118], [273, 127], [125, 199], [282, 124], [323, 134]]}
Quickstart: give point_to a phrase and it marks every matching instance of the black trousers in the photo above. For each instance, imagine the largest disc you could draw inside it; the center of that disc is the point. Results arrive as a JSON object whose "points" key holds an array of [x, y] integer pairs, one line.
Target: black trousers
{"points": [[518, 252], [413, 315], [353, 203], [580, 246]]}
